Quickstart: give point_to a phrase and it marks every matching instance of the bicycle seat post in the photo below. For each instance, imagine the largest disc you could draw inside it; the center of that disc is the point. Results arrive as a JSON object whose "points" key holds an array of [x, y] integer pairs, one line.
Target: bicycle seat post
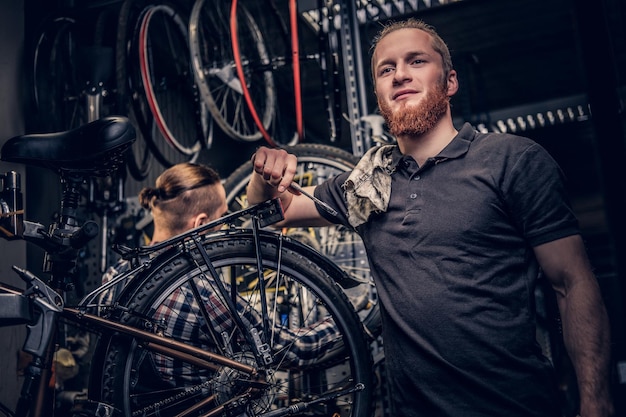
{"points": [[61, 264]]}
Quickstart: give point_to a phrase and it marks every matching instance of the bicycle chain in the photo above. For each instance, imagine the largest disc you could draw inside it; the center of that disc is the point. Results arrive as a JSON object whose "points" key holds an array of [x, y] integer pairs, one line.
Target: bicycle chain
{"points": [[187, 393]]}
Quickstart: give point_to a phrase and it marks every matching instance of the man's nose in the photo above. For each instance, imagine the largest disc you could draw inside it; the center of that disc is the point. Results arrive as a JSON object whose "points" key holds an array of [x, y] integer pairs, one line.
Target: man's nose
{"points": [[401, 74]]}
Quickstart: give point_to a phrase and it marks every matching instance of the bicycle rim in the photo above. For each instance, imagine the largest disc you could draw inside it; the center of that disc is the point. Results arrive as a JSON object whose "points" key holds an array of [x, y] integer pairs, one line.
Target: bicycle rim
{"points": [[215, 72], [330, 73], [302, 301], [317, 163], [132, 87], [167, 84], [139, 157]]}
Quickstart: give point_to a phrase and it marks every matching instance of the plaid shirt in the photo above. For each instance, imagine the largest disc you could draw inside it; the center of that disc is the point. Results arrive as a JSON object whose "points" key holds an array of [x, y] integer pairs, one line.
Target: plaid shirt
{"points": [[179, 313]]}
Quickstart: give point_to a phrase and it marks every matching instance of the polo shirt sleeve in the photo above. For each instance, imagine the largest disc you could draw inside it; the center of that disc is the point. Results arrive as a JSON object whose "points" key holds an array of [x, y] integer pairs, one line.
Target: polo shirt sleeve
{"points": [[331, 192], [535, 192]]}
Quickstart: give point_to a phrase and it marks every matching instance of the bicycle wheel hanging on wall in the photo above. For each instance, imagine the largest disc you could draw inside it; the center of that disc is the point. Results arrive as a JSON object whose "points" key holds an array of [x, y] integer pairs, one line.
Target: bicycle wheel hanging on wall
{"points": [[139, 158], [72, 71], [309, 329], [316, 163], [329, 62], [284, 57], [215, 73], [160, 81]]}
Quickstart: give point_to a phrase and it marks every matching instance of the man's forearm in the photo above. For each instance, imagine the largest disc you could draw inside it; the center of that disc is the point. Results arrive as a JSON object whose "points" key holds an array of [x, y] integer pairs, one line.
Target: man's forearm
{"points": [[258, 190], [587, 339]]}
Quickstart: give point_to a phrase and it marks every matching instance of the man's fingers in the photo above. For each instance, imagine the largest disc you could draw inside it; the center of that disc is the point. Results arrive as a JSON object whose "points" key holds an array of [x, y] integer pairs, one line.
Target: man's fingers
{"points": [[289, 172], [275, 166], [283, 185]]}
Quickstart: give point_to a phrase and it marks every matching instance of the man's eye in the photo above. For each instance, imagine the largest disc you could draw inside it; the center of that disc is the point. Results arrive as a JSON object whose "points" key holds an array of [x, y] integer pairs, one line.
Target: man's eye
{"points": [[385, 70]]}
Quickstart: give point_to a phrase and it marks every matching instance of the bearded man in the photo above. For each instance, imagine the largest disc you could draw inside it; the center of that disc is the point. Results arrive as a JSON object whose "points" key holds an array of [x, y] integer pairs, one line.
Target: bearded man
{"points": [[457, 225]]}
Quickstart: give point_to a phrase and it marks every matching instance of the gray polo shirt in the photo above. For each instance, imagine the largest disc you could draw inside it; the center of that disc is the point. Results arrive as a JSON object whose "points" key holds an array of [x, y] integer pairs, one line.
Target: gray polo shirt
{"points": [[454, 269]]}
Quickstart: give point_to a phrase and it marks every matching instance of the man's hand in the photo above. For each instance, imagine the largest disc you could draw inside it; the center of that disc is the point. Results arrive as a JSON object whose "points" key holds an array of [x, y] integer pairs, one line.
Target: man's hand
{"points": [[275, 166], [273, 172]]}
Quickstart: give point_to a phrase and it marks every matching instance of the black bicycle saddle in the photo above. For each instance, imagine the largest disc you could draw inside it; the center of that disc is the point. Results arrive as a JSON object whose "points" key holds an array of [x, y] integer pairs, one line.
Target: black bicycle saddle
{"points": [[95, 148]]}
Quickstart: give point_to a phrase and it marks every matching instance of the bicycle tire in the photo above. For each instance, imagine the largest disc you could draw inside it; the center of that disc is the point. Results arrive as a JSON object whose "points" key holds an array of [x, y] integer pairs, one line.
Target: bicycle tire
{"points": [[72, 69], [174, 81], [214, 69], [56, 91], [139, 157], [296, 273], [329, 68], [316, 163], [295, 62], [129, 81], [167, 114]]}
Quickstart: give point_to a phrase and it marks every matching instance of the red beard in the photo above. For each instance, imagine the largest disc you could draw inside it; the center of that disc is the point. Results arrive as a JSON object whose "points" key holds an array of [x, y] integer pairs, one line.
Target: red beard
{"points": [[419, 119]]}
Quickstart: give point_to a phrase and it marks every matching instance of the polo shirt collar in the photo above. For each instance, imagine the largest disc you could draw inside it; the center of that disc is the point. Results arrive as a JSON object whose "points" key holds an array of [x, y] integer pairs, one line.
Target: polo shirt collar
{"points": [[460, 143], [456, 148]]}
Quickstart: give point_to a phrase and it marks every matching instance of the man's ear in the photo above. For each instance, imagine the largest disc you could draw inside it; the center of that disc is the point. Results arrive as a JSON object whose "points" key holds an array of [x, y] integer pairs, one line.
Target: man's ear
{"points": [[453, 83], [200, 219]]}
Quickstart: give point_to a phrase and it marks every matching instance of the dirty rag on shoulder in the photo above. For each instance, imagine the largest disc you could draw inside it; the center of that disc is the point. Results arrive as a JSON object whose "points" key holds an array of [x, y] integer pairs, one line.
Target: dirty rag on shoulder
{"points": [[368, 187]]}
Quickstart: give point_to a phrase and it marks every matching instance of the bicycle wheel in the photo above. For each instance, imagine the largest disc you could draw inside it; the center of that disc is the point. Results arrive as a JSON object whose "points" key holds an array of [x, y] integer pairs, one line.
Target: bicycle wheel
{"points": [[139, 157], [162, 87], [287, 127], [72, 67], [330, 73], [309, 329], [57, 91], [317, 163], [130, 92], [214, 69]]}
